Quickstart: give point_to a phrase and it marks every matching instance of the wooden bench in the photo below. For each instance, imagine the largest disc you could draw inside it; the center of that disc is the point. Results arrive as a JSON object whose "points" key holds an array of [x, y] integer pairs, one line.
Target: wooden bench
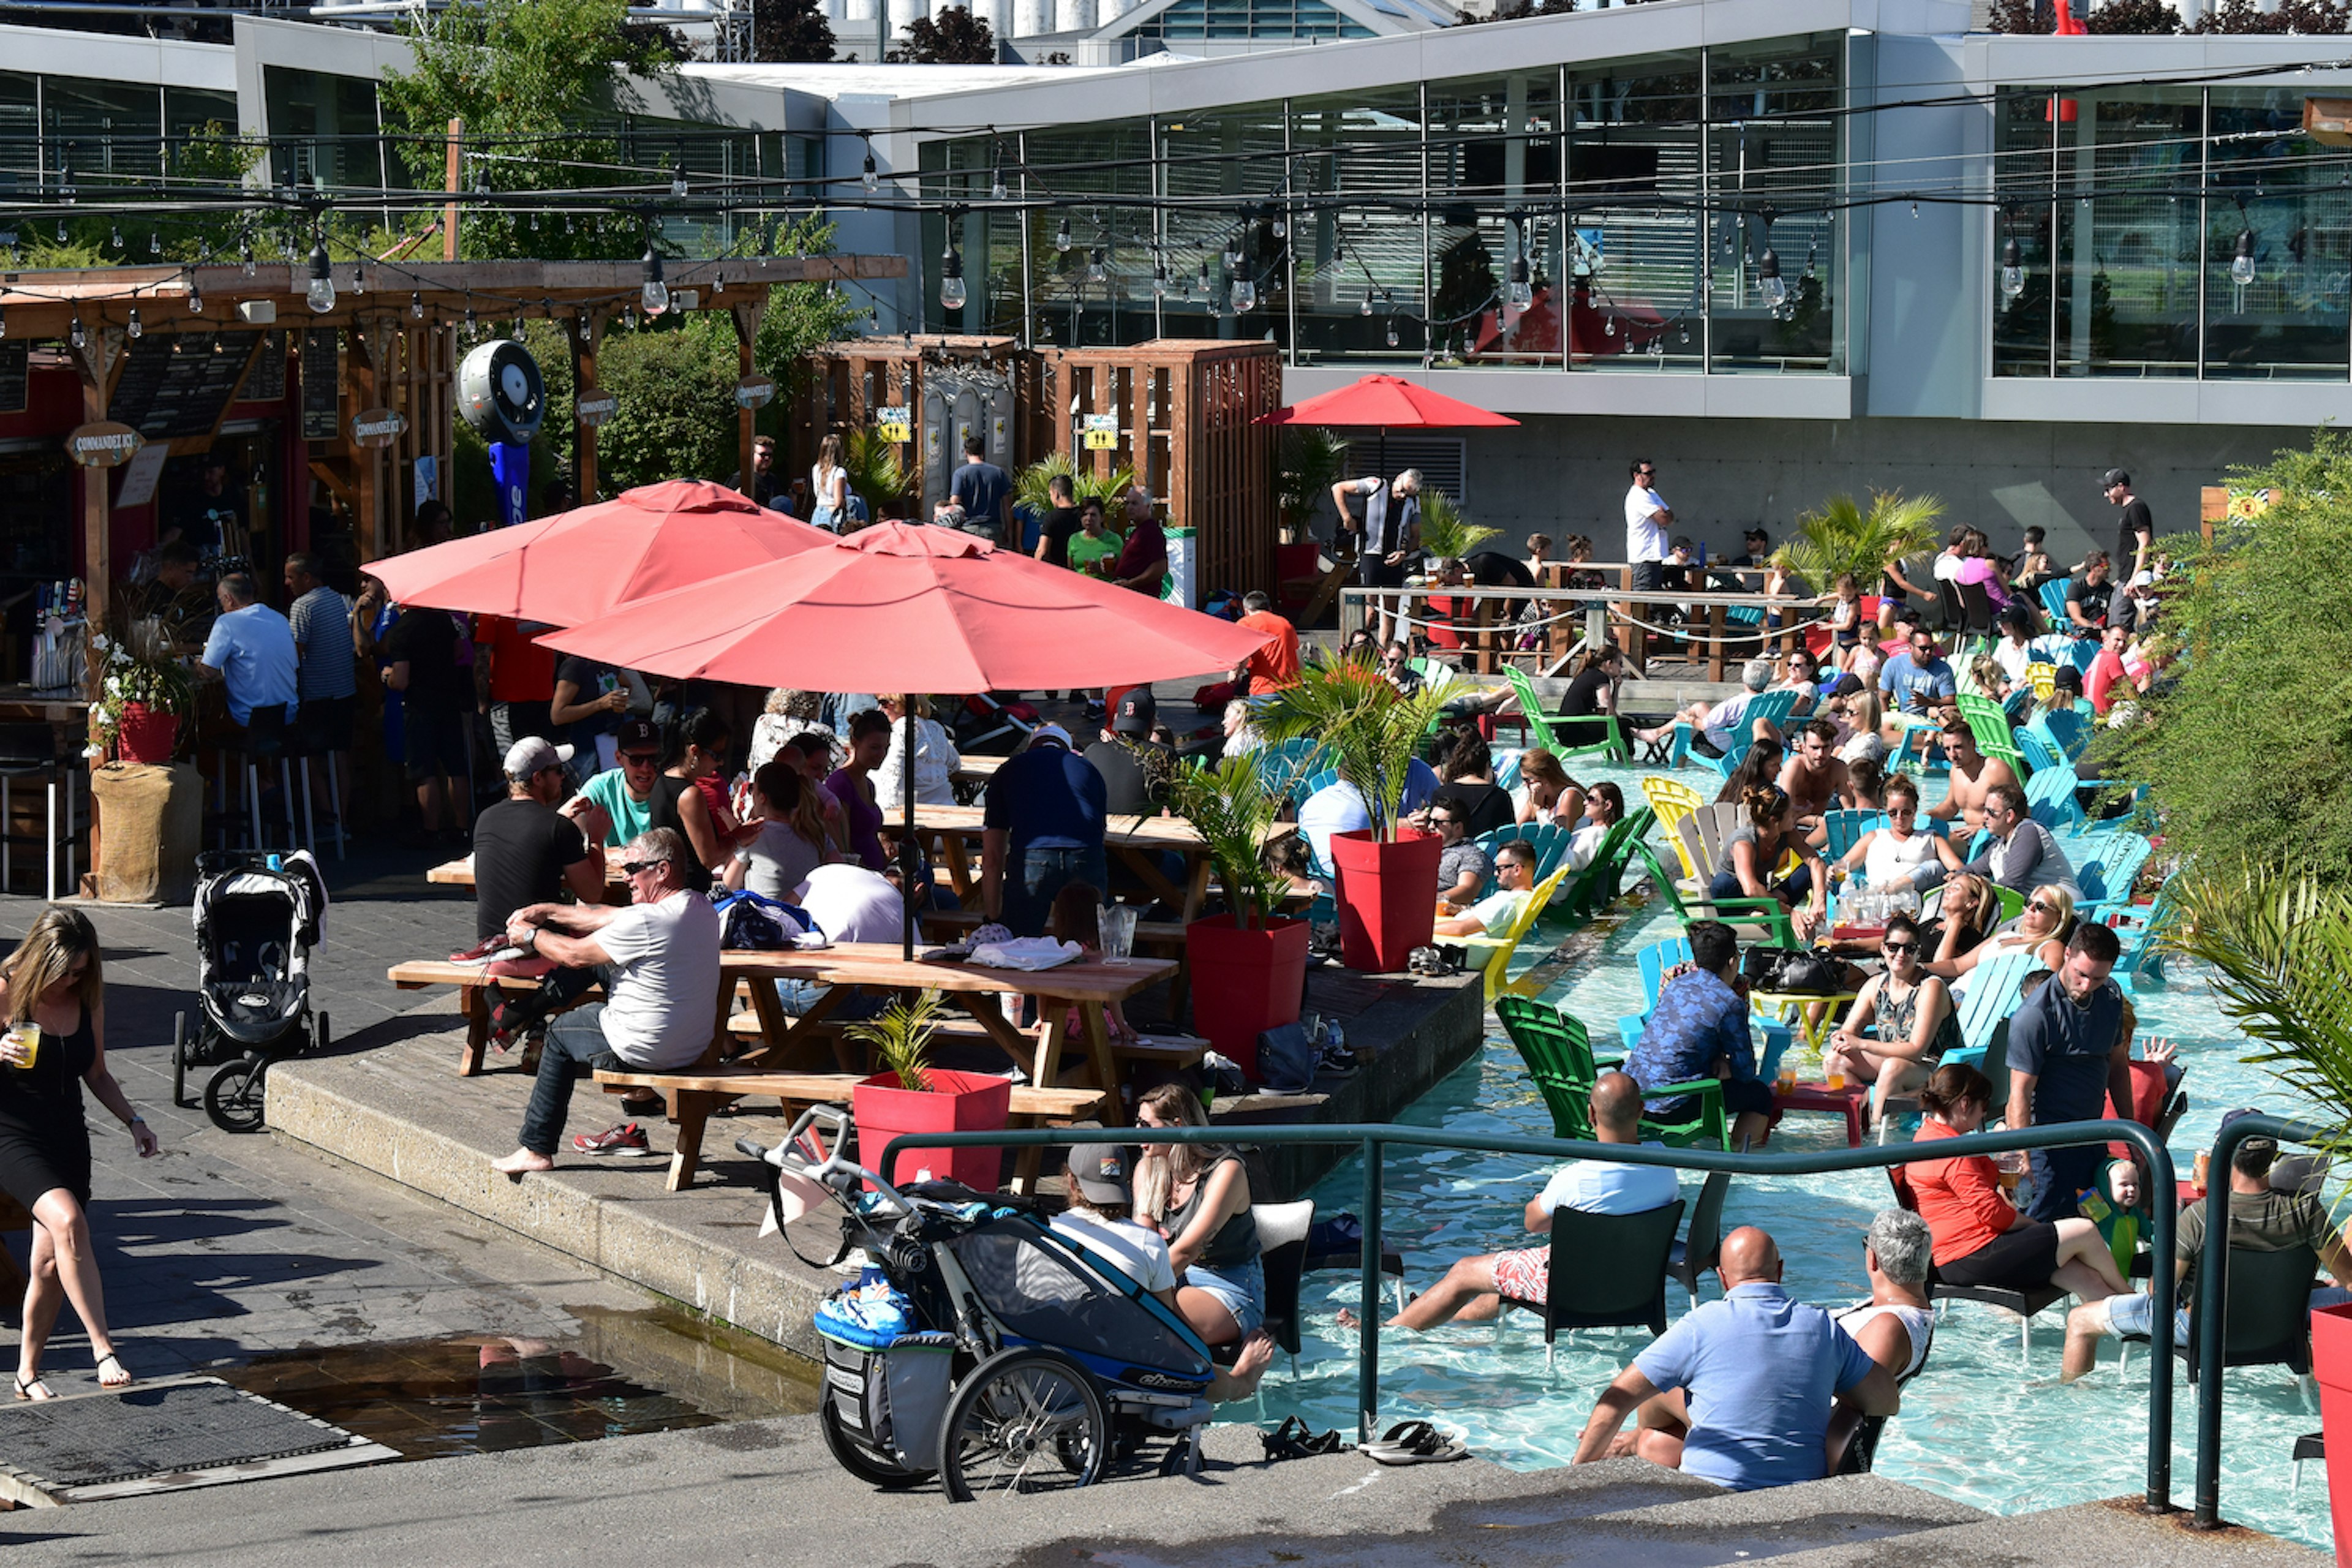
{"points": [[473, 998], [694, 1095], [1164, 1050]]}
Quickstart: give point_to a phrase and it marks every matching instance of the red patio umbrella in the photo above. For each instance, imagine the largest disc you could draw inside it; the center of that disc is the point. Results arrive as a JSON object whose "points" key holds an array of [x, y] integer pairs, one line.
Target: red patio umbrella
{"points": [[904, 606], [576, 566], [1387, 403]]}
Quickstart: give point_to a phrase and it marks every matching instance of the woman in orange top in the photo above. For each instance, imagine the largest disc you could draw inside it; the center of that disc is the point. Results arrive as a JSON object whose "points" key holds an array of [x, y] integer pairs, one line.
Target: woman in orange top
{"points": [[1979, 1237]]}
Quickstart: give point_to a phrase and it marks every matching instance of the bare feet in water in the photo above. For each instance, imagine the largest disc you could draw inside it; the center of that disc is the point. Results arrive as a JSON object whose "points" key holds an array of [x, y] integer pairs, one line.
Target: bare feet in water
{"points": [[521, 1162]]}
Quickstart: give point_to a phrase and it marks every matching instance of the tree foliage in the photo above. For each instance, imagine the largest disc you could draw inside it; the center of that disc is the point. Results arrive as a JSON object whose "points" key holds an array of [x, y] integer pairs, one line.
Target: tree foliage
{"points": [[955, 37], [2246, 748], [677, 417], [790, 30], [2304, 17], [530, 78]]}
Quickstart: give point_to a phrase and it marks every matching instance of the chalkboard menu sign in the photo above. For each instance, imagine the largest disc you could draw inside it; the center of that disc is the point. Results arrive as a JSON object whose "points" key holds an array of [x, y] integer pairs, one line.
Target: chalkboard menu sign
{"points": [[176, 386], [267, 382], [16, 369], [322, 385]]}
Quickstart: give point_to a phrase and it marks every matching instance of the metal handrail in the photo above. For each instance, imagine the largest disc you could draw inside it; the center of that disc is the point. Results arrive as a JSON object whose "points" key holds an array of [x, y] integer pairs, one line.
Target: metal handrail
{"points": [[2210, 1317], [1373, 1140]]}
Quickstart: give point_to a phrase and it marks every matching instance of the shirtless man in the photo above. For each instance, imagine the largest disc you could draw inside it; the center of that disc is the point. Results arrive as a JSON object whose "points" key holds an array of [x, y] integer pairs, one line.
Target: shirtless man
{"points": [[1814, 778], [1973, 773]]}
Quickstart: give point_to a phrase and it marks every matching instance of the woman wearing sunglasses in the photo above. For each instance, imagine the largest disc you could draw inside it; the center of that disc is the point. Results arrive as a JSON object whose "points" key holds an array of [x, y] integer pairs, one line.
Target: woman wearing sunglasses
{"points": [[1899, 856], [2043, 930], [1916, 1024]]}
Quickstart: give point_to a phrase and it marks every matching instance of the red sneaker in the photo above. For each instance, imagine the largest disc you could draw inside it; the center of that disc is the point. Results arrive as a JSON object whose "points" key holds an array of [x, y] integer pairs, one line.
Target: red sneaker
{"points": [[627, 1141]]}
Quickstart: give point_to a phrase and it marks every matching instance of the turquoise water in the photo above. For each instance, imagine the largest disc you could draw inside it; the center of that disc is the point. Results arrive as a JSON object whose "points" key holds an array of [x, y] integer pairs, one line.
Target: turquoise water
{"points": [[1977, 1426]]}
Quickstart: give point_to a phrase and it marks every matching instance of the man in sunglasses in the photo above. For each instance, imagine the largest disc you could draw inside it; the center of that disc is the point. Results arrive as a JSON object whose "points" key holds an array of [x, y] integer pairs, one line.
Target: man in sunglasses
{"points": [[617, 804], [1461, 866], [659, 960], [2024, 856]]}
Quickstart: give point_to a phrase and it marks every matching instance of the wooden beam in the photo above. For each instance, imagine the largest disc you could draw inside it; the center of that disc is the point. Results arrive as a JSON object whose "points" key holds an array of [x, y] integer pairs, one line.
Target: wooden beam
{"points": [[449, 209], [747, 314], [584, 342]]}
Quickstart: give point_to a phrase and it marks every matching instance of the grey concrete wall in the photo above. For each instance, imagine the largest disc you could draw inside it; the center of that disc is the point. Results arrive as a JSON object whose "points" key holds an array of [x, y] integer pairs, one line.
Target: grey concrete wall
{"points": [[1567, 474]]}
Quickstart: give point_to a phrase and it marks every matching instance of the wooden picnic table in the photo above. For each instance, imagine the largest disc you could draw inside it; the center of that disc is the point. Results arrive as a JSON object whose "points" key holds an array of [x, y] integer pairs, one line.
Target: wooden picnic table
{"points": [[460, 873], [1137, 841]]}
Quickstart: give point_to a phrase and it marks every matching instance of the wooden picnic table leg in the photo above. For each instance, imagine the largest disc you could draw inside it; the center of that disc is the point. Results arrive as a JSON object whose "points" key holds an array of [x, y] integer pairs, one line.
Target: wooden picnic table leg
{"points": [[990, 1014], [1106, 1073], [690, 1109], [473, 1002], [1196, 886], [1145, 864], [958, 859]]}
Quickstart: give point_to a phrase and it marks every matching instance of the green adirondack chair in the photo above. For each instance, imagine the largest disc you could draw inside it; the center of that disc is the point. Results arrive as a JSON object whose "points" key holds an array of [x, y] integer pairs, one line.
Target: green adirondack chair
{"points": [[1990, 725], [1558, 1053], [1596, 888], [1539, 724], [1779, 928]]}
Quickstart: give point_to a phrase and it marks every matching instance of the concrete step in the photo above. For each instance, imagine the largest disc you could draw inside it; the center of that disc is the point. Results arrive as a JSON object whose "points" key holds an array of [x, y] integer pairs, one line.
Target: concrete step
{"points": [[2111, 1532]]}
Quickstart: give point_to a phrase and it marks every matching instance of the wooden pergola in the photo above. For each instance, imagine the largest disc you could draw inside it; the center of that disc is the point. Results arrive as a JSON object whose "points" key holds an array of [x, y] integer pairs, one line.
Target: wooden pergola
{"points": [[397, 330]]}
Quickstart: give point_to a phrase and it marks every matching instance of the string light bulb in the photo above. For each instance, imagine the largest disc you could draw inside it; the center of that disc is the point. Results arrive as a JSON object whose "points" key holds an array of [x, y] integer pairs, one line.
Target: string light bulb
{"points": [[2012, 269], [1097, 271], [134, 329], [1394, 339], [656, 293], [1366, 308], [871, 177], [677, 178], [1159, 279], [196, 299], [1245, 296], [2241, 265], [1062, 237], [320, 294], [1767, 280], [415, 304], [245, 256], [952, 288], [1522, 293], [75, 334]]}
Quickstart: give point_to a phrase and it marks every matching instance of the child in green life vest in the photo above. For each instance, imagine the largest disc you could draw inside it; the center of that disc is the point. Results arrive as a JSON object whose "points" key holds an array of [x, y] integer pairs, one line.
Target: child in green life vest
{"points": [[2114, 1207]]}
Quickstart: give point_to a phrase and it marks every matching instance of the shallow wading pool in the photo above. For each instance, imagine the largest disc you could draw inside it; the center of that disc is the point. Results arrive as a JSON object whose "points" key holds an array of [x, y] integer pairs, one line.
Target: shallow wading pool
{"points": [[1976, 1426]]}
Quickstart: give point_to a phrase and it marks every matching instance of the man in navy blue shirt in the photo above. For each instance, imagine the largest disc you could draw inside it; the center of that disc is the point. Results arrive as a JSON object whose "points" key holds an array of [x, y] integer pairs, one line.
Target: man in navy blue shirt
{"points": [[1042, 829], [985, 493], [2069, 1049], [1699, 1029]]}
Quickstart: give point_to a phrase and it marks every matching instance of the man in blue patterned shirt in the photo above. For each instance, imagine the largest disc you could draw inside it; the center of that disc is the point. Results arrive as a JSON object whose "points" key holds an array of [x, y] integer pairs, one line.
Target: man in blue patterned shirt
{"points": [[1699, 1029]]}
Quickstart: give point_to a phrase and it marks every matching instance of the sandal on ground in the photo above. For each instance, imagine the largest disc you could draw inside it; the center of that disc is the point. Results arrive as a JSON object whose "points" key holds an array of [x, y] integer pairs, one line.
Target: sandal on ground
{"points": [[25, 1386], [1294, 1440], [1416, 1442], [121, 1378]]}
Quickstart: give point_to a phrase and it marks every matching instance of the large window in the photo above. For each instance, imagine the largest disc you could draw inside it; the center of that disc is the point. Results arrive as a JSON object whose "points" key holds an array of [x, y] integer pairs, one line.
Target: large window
{"points": [[2278, 197], [1774, 182], [1493, 152], [1637, 275], [1196, 20], [1225, 188], [1360, 160], [102, 128]]}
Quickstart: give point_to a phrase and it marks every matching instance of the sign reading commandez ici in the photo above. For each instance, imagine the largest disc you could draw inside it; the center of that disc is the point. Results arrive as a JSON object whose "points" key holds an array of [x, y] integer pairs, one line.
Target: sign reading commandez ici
{"points": [[103, 445], [755, 391], [597, 408], [378, 427]]}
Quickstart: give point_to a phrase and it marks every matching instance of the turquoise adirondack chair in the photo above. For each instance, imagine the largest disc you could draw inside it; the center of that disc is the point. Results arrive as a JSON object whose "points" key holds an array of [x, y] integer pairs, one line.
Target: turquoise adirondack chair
{"points": [[2065, 727], [2039, 747], [1547, 839], [1284, 766], [2050, 799], [1991, 996], [2106, 877], [1846, 829], [1654, 961], [1775, 706], [2053, 599], [2141, 963]]}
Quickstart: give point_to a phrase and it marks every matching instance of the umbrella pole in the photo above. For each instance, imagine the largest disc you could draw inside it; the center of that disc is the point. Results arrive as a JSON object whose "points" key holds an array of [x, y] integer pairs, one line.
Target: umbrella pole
{"points": [[907, 856]]}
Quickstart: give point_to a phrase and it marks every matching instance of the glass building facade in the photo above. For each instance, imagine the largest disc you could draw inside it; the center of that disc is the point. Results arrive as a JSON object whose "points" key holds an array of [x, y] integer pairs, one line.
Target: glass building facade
{"points": [[2171, 232], [1674, 215], [98, 127]]}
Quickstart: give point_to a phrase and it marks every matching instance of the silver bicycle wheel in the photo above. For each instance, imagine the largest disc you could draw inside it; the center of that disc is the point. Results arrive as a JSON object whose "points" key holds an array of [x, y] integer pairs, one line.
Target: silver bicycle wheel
{"points": [[1025, 1421]]}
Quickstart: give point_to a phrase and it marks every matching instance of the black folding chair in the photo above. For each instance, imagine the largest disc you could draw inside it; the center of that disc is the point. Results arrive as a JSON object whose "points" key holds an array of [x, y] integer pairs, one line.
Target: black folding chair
{"points": [[2267, 1314], [1697, 1253], [1608, 1271]]}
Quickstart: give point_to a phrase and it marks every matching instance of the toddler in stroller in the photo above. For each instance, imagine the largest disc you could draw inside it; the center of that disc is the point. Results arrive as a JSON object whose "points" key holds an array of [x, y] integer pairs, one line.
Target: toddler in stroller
{"points": [[257, 916]]}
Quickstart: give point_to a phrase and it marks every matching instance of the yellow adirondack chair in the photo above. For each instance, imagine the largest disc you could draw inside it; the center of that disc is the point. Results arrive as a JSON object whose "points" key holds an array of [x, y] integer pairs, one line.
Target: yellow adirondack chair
{"points": [[2043, 678], [1498, 948], [1673, 800]]}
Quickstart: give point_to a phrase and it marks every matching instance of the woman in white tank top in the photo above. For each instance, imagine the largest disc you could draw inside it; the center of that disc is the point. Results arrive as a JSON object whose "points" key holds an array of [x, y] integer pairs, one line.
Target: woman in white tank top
{"points": [[1898, 856]]}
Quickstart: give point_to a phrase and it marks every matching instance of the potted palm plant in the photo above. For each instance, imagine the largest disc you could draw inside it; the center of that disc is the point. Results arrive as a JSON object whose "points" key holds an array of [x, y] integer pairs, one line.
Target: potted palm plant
{"points": [[910, 1095], [1843, 537], [2279, 943], [143, 694], [877, 472], [1388, 872], [1249, 967], [1031, 487], [1313, 460], [1447, 530]]}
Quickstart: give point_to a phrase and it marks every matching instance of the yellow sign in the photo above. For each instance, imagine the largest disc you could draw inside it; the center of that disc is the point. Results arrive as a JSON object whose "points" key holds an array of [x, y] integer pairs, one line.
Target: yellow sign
{"points": [[1101, 432], [2251, 503], [894, 424]]}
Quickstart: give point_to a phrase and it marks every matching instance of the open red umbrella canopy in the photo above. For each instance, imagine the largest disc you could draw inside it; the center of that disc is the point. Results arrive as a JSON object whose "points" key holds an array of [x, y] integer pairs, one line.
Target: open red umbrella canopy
{"points": [[576, 566], [907, 607], [1387, 403]]}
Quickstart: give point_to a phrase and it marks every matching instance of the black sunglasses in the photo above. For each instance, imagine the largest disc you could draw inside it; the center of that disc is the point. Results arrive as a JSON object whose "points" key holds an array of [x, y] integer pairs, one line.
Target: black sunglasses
{"points": [[633, 866], [639, 759], [1899, 947]]}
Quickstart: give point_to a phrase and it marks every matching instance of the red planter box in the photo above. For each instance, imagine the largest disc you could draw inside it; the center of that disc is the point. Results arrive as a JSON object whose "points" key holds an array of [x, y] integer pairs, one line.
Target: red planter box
{"points": [[2331, 1365], [1244, 981], [146, 737], [958, 1102], [1388, 897]]}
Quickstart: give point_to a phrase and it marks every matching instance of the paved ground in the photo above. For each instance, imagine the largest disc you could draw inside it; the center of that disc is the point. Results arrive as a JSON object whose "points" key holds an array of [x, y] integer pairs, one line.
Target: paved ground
{"points": [[224, 1246]]}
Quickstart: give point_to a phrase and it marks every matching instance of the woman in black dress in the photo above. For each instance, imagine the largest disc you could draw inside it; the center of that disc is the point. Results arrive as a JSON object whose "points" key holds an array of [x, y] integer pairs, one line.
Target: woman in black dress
{"points": [[52, 983]]}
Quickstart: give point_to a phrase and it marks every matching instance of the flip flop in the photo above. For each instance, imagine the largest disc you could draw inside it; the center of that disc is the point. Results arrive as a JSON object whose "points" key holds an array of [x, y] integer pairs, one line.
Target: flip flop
{"points": [[25, 1386], [124, 1380], [1416, 1442]]}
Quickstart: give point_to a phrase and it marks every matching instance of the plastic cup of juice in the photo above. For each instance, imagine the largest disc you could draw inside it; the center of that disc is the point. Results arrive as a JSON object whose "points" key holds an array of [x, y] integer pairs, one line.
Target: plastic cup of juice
{"points": [[1834, 1081], [28, 1034]]}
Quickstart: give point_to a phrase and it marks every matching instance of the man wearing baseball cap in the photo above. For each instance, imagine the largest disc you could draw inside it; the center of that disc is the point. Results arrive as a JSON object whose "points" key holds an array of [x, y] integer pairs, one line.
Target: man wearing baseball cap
{"points": [[2136, 536], [1042, 829], [2262, 1218], [624, 794], [525, 851]]}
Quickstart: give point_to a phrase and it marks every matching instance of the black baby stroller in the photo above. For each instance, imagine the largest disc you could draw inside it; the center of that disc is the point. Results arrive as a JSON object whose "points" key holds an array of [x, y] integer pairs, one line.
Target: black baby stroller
{"points": [[982, 1345], [257, 917]]}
